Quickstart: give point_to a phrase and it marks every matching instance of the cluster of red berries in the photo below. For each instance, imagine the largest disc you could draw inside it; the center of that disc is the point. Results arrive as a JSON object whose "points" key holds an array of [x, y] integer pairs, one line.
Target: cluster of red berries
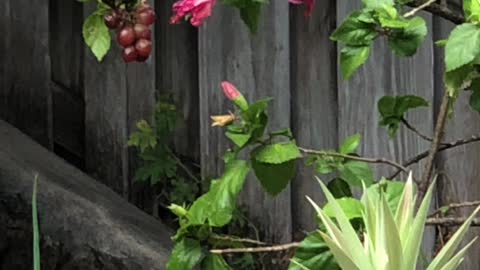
{"points": [[134, 33]]}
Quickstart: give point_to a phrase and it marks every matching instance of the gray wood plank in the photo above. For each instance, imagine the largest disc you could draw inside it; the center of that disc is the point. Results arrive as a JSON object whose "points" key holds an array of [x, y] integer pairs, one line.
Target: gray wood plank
{"points": [[387, 74], [177, 75], [140, 105], [458, 167], [314, 100], [25, 97], [66, 50], [259, 66], [66, 45]]}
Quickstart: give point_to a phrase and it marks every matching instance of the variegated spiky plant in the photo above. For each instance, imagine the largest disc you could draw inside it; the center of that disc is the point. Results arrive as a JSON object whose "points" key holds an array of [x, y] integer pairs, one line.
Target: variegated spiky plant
{"points": [[391, 241]]}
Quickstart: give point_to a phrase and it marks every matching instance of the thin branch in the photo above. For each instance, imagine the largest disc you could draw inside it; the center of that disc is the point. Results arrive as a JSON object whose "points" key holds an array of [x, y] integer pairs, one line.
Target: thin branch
{"points": [[440, 10], [417, 9], [455, 206], [237, 239], [256, 249], [437, 138], [415, 130], [350, 157], [451, 221], [443, 147], [183, 166]]}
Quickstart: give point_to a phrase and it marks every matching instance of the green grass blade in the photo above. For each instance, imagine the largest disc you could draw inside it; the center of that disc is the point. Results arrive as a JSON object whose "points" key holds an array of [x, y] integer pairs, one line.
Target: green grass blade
{"points": [[36, 237]]}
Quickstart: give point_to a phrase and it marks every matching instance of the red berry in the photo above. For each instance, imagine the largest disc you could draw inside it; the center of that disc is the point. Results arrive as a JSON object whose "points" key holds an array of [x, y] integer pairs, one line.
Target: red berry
{"points": [[142, 58], [146, 16], [129, 54], [143, 47], [142, 31], [143, 8], [112, 20], [126, 36]]}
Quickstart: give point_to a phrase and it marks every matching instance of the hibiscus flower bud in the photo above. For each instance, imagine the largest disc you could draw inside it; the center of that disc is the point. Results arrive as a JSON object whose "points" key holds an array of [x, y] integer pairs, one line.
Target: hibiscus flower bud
{"points": [[232, 93], [178, 210], [222, 120]]}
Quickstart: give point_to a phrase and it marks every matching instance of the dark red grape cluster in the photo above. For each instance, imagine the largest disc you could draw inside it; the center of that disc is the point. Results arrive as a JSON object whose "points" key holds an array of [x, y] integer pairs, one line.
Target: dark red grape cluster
{"points": [[134, 33]]}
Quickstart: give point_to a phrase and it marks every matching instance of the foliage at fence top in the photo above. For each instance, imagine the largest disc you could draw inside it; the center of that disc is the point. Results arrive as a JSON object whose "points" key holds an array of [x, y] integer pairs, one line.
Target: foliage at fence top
{"points": [[273, 155]]}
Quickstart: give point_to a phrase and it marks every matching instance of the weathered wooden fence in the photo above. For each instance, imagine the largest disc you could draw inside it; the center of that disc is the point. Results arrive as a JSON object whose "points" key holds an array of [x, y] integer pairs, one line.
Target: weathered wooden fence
{"points": [[54, 90]]}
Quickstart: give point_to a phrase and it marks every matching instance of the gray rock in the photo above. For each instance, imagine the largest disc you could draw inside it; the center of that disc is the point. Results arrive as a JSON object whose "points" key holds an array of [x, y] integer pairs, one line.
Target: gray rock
{"points": [[83, 224]]}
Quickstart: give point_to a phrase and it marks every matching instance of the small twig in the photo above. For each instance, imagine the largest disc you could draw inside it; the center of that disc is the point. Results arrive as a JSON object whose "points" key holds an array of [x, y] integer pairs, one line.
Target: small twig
{"points": [[440, 10], [451, 221], [350, 157], [183, 166], [437, 138], [237, 239], [416, 131], [417, 9], [256, 249], [443, 147], [454, 206]]}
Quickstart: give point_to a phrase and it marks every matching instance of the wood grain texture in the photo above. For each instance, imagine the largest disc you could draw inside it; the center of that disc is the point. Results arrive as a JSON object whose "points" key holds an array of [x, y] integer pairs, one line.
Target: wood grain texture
{"points": [[84, 224], [25, 98], [66, 50], [387, 74], [314, 100], [140, 87], [177, 75], [66, 45], [458, 168], [259, 66]]}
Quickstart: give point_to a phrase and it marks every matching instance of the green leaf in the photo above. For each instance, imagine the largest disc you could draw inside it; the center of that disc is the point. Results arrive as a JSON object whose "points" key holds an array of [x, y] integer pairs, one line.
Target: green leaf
{"points": [[350, 145], [96, 35], [218, 204], [144, 138], [250, 11], [313, 254], [354, 31], [377, 3], [455, 79], [185, 255], [351, 58], [274, 177], [277, 153], [405, 41], [356, 172], [390, 189], [215, 262], [471, 9], [441, 42], [239, 139], [284, 132], [351, 207], [392, 110], [339, 188], [254, 112], [388, 18], [36, 231], [463, 45]]}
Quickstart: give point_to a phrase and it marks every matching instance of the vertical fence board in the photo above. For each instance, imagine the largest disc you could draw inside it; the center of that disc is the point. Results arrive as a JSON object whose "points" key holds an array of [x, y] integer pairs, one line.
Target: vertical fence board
{"points": [[140, 105], [387, 74], [458, 167], [25, 97], [314, 100], [259, 66], [116, 96], [66, 52], [177, 75]]}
